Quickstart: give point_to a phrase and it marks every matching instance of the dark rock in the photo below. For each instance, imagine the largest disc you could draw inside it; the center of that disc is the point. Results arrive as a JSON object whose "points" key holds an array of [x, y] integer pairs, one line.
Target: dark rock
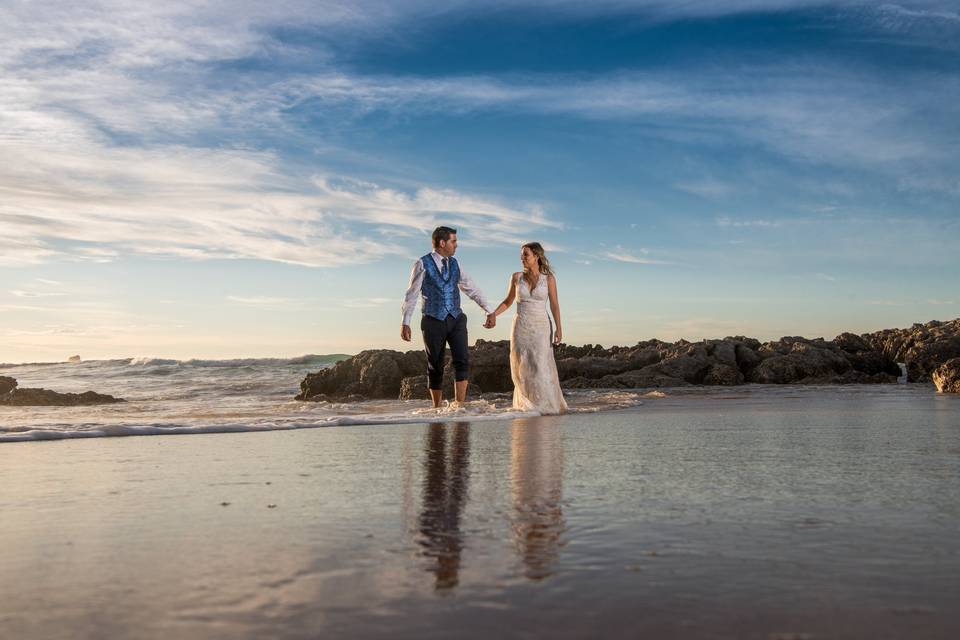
{"points": [[415, 388], [723, 352], [590, 367], [747, 356], [640, 357], [947, 376], [800, 359], [849, 358], [873, 362], [489, 366], [852, 343], [923, 347], [7, 385], [43, 397], [369, 374], [723, 374], [689, 367], [749, 343], [648, 377], [790, 369]]}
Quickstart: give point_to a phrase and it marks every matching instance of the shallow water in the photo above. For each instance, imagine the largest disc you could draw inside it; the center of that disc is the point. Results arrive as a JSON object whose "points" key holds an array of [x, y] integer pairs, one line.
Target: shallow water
{"points": [[167, 397], [745, 513]]}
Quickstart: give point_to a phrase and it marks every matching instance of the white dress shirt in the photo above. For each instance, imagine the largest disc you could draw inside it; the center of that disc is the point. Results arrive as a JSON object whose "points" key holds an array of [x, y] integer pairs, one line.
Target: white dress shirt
{"points": [[416, 282]]}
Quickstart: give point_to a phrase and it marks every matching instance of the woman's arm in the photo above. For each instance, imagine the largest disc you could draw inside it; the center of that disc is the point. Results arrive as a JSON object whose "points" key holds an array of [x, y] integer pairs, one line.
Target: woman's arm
{"points": [[554, 308], [511, 295]]}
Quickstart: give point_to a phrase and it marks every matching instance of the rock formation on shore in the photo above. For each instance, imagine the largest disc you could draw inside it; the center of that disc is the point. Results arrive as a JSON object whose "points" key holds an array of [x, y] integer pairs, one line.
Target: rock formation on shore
{"points": [[848, 358], [923, 347], [947, 376], [11, 395]]}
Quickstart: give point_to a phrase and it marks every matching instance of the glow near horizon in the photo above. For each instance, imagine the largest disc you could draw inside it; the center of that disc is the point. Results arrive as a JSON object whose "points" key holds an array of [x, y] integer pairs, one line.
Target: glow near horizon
{"points": [[186, 183]]}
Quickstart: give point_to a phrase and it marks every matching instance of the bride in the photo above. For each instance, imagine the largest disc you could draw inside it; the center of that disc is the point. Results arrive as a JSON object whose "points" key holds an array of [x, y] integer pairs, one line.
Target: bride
{"points": [[536, 386]]}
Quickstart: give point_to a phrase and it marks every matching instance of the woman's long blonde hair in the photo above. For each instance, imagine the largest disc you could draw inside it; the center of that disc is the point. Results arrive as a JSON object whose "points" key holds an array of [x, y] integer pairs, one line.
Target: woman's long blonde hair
{"points": [[537, 249]]}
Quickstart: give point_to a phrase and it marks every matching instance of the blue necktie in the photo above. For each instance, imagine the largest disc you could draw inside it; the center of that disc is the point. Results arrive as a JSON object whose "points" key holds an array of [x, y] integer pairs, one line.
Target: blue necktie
{"points": [[443, 272]]}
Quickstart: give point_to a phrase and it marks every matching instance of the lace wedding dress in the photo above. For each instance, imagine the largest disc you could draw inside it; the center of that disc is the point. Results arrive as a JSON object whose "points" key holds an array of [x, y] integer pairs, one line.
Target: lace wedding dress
{"points": [[536, 386]]}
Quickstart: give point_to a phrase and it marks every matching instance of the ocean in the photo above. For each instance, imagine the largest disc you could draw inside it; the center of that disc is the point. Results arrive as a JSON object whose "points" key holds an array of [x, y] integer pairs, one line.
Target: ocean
{"points": [[167, 396]]}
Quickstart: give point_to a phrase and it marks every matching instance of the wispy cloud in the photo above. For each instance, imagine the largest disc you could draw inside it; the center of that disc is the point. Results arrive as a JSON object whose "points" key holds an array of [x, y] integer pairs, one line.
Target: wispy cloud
{"points": [[726, 221], [707, 188], [619, 254], [20, 293], [99, 202], [426, 207], [108, 163], [815, 112], [368, 303]]}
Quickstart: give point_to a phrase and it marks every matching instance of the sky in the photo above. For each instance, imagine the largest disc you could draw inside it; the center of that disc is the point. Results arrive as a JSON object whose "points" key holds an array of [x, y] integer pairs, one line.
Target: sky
{"points": [[250, 179]]}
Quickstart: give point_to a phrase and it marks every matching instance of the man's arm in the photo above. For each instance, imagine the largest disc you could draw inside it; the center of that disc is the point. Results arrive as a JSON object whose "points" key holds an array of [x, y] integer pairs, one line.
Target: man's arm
{"points": [[410, 299], [472, 291]]}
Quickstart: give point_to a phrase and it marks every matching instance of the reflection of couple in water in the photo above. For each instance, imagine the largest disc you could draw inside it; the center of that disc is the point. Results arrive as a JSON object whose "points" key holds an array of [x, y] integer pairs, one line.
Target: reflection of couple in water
{"points": [[437, 280], [536, 478]]}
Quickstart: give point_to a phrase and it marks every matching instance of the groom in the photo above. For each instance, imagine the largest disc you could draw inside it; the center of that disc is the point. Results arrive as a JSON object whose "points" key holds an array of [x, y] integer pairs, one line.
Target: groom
{"points": [[438, 279]]}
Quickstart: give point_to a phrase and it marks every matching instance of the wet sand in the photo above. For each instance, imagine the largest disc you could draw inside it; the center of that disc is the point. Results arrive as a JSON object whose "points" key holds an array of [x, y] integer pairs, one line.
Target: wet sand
{"points": [[813, 513]]}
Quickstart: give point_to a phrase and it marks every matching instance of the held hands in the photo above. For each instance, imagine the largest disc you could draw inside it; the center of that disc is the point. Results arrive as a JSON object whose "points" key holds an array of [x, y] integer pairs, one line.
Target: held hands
{"points": [[405, 332], [491, 321]]}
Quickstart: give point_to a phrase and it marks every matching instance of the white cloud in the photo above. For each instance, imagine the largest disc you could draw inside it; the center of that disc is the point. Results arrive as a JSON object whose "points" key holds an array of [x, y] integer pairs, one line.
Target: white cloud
{"points": [[707, 188], [100, 103], [815, 112], [368, 303], [98, 202], [619, 254], [20, 293], [726, 221], [426, 207]]}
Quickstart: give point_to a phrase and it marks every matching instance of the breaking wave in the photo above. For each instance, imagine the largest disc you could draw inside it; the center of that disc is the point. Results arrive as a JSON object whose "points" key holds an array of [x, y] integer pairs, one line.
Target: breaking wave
{"points": [[257, 414]]}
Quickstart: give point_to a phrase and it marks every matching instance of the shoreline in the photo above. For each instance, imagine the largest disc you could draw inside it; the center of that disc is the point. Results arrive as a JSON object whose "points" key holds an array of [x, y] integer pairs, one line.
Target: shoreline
{"points": [[482, 410]]}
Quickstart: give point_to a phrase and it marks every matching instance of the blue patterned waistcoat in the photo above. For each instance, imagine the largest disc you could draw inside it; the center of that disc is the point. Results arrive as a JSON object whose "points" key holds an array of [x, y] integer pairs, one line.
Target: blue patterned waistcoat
{"points": [[440, 296]]}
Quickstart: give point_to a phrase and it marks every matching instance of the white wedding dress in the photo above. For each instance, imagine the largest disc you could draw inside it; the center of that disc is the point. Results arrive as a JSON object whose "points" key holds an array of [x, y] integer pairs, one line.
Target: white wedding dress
{"points": [[536, 386]]}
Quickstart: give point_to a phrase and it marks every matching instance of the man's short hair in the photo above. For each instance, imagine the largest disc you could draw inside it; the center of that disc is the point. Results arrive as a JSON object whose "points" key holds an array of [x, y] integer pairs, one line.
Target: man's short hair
{"points": [[442, 233]]}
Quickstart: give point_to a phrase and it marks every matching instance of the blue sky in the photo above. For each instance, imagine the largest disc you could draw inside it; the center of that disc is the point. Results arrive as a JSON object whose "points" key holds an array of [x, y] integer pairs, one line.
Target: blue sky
{"points": [[200, 181]]}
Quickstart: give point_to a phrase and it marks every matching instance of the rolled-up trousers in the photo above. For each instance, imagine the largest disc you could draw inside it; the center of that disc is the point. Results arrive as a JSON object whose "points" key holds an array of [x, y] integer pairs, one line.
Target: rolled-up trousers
{"points": [[436, 335]]}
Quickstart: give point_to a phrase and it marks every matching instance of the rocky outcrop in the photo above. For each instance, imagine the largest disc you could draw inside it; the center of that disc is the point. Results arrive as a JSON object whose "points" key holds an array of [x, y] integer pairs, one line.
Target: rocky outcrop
{"points": [[369, 374], [847, 359], [7, 385], [946, 377], [11, 395], [923, 347]]}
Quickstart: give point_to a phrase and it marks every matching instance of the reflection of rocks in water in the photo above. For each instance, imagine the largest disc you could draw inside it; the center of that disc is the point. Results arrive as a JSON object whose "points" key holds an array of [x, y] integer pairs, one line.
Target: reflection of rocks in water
{"points": [[537, 470], [445, 475]]}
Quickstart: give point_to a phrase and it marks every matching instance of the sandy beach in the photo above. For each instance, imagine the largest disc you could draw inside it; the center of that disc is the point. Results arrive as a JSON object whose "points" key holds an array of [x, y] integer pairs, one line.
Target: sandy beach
{"points": [[805, 513]]}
